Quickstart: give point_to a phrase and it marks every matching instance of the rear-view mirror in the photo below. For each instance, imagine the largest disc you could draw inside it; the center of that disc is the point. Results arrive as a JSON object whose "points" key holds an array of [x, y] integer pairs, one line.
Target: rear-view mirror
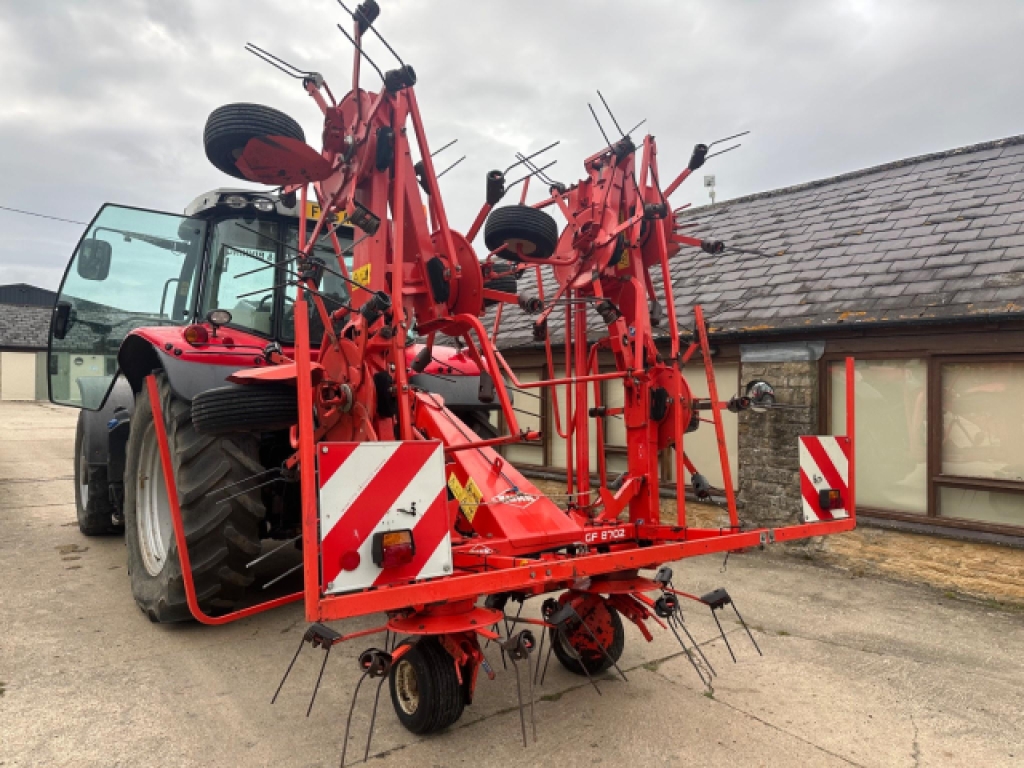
{"points": [[94, 259]]}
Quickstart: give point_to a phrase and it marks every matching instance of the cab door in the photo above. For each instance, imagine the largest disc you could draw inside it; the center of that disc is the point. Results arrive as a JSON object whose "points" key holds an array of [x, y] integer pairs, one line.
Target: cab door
{"points": [[132, 268]]}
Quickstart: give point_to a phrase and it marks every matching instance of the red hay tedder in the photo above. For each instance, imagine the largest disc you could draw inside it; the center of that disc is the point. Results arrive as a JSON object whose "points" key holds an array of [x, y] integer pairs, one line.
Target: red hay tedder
{"points": [[377, 465]]}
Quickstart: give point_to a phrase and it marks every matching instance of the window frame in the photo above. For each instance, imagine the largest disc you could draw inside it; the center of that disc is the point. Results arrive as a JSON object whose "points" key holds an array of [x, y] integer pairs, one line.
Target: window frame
{"points": [[936, 479]]}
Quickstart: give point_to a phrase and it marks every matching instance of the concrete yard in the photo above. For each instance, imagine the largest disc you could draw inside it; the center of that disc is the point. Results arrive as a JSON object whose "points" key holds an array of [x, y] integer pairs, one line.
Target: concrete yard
{"points": [[855, 671]]}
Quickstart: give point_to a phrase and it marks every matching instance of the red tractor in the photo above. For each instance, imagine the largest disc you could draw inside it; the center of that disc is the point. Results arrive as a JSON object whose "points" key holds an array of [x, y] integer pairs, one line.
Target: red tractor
{"points": [[198, 297]]}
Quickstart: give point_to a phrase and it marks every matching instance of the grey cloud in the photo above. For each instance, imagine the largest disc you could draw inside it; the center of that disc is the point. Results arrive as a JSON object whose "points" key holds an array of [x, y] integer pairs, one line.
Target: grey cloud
{"points": [[106, 100]]}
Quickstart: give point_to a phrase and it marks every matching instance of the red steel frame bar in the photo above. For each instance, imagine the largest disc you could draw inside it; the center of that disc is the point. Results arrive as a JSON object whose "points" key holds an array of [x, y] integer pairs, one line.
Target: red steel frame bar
{"points": [[716, 410], [179, 527]]}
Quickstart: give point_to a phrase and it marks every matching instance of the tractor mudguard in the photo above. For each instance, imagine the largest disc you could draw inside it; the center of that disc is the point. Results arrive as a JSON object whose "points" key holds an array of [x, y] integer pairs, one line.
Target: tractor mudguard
{"points": [[188, 374], [94, 423]]}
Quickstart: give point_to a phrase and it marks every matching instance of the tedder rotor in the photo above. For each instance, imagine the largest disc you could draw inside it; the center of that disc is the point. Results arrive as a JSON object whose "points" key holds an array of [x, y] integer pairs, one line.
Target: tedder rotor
{"points": [[409, 512]]}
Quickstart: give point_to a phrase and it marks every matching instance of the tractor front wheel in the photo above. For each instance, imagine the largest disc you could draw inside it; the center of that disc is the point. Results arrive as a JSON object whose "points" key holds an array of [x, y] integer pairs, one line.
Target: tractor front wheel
{"points": [[576, 647], [425, 688], [92, 501], [222, 523]]}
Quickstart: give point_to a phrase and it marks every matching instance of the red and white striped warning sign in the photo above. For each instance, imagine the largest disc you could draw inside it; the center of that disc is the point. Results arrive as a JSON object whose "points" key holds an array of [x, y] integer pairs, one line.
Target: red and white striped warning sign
{"points": [[824, 466], [370, 488]]}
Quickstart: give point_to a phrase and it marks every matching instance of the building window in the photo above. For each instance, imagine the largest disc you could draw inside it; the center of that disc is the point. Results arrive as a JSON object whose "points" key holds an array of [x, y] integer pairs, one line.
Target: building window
{"points": [[529, 405], [938, 436], [982, 442], [892, 431]]}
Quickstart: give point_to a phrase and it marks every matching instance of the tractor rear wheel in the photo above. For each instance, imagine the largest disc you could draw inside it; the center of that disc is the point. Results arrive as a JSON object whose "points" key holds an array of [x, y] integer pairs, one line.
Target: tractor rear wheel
{"points": [[92, 500], [231, 127], [533, 231], [577, 649], [222, 524], [425, 688]]}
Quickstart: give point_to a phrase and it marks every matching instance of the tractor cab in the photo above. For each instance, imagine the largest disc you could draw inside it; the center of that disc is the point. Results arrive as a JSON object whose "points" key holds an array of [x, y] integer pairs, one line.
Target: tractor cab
{"points": [[233, 250]]}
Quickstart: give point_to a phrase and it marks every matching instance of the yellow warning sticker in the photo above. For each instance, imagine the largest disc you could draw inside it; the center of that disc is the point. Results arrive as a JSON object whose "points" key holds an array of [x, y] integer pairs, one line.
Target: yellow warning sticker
{"points": [[623, 260], [362, 275], [469, 496]]}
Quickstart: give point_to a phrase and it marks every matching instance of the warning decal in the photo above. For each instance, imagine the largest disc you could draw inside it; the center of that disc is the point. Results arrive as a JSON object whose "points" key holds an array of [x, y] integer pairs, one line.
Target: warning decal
{"points": [[362, 275], [468, 497]]}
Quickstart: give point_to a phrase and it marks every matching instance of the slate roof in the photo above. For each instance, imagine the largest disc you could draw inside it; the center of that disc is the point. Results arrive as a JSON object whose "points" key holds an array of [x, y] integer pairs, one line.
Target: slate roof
{"points": [[935, 237], [23, 327], [25, 294]]}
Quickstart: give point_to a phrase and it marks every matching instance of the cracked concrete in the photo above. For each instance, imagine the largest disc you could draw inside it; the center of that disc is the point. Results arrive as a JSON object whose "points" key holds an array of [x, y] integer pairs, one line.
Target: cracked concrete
{"points": [[856, 671]]}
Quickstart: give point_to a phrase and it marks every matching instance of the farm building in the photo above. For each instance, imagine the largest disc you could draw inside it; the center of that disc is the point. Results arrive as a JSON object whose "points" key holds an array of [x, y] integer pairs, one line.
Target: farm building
{"points": [[916, 268]]}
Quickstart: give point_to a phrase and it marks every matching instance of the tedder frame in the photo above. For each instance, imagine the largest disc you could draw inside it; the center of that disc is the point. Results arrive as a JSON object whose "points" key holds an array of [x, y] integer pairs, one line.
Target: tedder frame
{"points": [[481, 530]]}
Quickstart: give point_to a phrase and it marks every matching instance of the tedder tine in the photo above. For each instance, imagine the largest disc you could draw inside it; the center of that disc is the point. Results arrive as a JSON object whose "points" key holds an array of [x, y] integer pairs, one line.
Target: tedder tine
{"points": [[604, 650], [667, 607], [374, 663], [689, 655], [540, 652], [696, 645], [373, 717], [288, 671], [583, 665], [348, 721], [722, 633], [519, 648], [751, 636], [319, 677]]}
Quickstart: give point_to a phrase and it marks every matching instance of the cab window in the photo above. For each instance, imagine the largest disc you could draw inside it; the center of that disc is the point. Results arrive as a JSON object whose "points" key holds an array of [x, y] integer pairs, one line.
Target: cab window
{"points": [[241, 273], [132, 268]]}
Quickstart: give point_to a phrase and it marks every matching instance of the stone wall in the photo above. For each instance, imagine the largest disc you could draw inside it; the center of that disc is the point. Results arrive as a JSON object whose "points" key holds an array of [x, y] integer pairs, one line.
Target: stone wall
{"points": [[985, 571], [768, 450]]}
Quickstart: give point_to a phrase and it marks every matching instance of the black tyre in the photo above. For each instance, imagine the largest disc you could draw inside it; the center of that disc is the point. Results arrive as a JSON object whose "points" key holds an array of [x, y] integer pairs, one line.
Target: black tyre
{"points": [[577, 649], [502, 279], [425, 689], [245, 408], [223, 534], [535, 232], [92, 496], [230, 128]]}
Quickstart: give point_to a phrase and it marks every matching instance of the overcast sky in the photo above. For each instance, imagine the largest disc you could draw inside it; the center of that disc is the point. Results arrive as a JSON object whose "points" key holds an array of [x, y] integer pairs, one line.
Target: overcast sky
{"points": [[105, 100]]}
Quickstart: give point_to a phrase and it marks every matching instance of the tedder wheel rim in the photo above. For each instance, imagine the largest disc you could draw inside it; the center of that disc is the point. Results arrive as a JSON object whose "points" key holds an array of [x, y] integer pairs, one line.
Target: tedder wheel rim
{"points": [[153, 515], [407, 687]]}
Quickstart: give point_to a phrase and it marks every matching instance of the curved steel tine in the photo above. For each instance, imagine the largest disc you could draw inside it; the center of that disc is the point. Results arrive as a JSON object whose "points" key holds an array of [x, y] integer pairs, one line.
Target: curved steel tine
{"points": [[751, 636], [696, 645], [579, 658], [319, 677], [686, 650], [722, 633], [547, 658], [599, 645], [348, 722], [519, 694], [373, 718], [288, 671], [539, 654]]}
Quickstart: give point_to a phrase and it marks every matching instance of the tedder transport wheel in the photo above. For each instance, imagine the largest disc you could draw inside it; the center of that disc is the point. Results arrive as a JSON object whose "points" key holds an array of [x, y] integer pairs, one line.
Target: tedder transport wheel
{"points": [[222, 532], [245, 408], [535, 232], [229, 129], [92, 500], [606, 624], [425, 688]]}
